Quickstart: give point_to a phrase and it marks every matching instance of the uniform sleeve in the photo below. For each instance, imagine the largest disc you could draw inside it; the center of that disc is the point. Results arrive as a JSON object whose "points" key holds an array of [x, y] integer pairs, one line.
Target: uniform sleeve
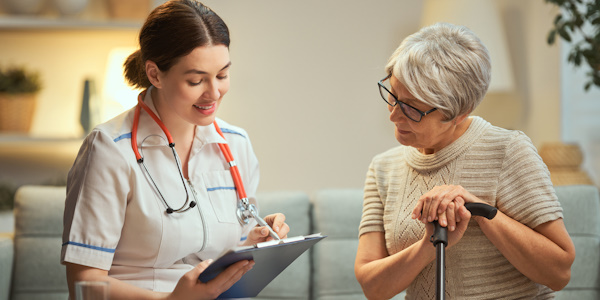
{"points": [[372, 215], [97, 192], [525, 192]]}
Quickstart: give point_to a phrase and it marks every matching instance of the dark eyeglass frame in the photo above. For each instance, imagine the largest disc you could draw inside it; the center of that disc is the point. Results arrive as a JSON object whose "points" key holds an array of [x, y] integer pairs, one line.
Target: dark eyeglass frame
{"points": [[403, 105]]}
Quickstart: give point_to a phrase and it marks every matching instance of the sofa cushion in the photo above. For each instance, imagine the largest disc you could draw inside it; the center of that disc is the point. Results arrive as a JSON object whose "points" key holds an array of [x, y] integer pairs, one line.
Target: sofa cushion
{"points": [[336, 214], [6, 264], [294, 281], [581, 209], [38, 273]]}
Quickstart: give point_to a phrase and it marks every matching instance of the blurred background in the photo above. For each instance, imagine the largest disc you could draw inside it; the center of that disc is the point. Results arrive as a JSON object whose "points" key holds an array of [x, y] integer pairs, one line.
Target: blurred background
{"points": [[303, 82]]}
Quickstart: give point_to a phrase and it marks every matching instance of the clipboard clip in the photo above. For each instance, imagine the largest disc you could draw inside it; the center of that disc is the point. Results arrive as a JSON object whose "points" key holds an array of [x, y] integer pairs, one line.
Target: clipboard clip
{"points": [[247, 211]]}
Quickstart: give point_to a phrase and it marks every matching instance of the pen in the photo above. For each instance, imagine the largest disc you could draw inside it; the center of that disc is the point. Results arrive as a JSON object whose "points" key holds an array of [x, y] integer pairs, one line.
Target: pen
{"points": [[262, 222]]}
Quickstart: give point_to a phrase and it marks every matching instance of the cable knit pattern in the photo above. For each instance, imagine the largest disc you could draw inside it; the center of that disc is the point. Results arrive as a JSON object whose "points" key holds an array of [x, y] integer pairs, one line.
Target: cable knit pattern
{"points": [[499, 166]]}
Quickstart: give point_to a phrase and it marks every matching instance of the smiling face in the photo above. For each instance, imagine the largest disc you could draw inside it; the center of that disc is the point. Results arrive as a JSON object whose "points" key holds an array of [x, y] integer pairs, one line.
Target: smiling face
{"points": [[193, 88], [429, 135]]}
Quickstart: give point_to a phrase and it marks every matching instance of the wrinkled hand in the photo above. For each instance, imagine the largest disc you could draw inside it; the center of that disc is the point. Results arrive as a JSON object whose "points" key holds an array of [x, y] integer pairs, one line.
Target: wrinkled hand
{"points": [[454, 235], [189, 287], [444, 204], [260, 234]]}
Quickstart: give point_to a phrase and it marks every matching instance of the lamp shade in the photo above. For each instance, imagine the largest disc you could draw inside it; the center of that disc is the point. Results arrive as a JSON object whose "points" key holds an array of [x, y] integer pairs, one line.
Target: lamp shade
{"points": [[483, 18], [118, 96]]}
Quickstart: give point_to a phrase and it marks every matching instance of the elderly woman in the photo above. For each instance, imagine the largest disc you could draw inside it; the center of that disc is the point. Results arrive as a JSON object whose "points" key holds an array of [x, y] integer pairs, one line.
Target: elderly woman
{"points": [[434, 80]]}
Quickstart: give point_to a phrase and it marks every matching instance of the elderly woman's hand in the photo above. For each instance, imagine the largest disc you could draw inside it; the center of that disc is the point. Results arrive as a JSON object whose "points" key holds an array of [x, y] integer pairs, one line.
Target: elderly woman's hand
{"points": [[435, 205], [463, 215], [260, 234]]}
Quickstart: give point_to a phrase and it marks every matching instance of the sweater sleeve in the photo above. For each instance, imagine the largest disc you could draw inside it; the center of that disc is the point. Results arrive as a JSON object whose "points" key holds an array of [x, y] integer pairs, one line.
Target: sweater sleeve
{"points": [[372, 216], [525, 192]]}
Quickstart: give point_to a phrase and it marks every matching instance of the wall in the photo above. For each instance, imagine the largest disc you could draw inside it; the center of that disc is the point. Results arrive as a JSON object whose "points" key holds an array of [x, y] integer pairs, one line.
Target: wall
{"points": [[534, 106], [303, 80]]}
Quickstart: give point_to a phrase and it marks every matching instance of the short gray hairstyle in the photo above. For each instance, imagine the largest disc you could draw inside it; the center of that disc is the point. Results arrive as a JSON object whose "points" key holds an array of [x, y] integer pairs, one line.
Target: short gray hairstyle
{"points": [[445, 66]]}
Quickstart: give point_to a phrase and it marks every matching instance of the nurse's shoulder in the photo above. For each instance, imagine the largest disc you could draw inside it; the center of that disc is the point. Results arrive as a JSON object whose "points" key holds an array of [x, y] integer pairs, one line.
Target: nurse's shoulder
{"points": [[232, 132], [111, 135], [118, 127]]}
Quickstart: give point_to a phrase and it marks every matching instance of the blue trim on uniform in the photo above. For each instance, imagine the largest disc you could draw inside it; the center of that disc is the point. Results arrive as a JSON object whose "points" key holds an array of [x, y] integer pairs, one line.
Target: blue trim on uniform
{"points": [[244, 238], [122, 136], [226, 130], [109, 250], [220, 188]]}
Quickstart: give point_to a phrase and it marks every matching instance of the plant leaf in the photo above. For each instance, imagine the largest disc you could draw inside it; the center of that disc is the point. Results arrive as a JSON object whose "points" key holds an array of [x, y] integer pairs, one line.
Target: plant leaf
{"points": [[564, 34], [557, 19], [551, 37], [577, 60]]}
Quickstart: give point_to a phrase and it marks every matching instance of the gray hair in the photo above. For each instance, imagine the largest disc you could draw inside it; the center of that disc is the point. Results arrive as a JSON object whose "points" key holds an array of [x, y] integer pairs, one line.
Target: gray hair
{"points": [[445, 66]]}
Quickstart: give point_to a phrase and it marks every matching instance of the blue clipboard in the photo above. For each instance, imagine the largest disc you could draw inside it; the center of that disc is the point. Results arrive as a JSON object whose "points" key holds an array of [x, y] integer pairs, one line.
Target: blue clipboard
{"points": [[270, 258]]}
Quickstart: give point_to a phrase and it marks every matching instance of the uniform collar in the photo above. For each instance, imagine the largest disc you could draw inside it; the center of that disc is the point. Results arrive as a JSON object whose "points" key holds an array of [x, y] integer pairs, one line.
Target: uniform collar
{"points": [[208, 134]]}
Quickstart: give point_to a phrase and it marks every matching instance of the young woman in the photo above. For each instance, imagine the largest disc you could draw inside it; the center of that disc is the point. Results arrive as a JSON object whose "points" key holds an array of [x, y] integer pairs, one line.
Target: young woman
{"points": [[152, 197]]}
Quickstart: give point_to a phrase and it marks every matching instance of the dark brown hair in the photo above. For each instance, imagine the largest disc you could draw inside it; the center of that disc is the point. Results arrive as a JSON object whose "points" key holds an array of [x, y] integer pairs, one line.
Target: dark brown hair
{"points": [[172, 30]]}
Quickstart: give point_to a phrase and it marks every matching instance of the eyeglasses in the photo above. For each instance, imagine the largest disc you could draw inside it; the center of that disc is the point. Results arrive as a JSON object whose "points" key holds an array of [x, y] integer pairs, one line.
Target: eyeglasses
{"points": [[409, 111]]}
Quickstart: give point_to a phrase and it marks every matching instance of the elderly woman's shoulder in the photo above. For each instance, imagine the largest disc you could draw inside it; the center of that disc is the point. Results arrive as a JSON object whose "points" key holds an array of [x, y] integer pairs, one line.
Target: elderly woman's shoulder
{"points": [[508, 139], [508, 134]]}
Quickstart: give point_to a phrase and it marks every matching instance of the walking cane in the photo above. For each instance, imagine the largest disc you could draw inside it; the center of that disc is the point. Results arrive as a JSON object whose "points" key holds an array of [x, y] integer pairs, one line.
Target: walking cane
{"points": [[440, 241]]}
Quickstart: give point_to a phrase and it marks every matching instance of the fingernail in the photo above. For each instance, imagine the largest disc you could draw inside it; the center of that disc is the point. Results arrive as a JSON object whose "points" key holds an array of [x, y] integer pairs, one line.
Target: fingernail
{"points": [[451, 228], [413, 216], [209, 261], [276, 228]]}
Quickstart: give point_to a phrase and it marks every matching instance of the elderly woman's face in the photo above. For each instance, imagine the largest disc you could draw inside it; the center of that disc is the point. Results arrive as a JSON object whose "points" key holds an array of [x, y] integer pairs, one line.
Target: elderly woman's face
{"points": [[429, 135]]}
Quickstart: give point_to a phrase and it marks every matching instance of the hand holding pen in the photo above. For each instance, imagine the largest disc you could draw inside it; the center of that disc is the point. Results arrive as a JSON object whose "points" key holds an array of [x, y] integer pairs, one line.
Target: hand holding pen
{"points": [[272, 227]]}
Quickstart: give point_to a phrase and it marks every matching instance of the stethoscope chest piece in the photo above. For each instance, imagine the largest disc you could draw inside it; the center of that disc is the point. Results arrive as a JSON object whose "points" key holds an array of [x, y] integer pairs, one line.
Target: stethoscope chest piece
{"points": [[245, 212]]}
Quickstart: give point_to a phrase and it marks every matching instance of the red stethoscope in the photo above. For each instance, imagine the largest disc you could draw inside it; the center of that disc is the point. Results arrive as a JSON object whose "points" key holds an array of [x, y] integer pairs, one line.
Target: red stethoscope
{"points": [[245, 210]]}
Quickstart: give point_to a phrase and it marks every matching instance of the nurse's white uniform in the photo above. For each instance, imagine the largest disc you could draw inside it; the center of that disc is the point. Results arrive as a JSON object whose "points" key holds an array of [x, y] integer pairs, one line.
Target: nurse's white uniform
{"points": [[115, 220]]}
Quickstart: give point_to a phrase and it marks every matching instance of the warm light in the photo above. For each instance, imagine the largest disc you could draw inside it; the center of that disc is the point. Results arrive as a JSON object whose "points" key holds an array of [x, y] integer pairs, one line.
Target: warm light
{"points": [[117, 95], [483, 18]]}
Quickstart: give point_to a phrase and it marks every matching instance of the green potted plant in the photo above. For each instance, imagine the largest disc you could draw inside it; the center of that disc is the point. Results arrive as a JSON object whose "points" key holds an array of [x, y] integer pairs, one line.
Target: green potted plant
{"points": [[580, 18], [19, 88]]}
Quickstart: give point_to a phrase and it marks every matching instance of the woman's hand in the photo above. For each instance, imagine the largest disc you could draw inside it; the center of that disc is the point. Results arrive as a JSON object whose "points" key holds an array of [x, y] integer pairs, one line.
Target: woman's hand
{"points": [[189, 287], [434, 205], [462, 215], [260, 234]]}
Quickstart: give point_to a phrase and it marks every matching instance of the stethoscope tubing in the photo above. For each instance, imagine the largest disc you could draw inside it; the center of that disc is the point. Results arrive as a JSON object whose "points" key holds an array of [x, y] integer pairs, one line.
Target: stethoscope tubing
{"points": [[224, 147], [140, 158]]}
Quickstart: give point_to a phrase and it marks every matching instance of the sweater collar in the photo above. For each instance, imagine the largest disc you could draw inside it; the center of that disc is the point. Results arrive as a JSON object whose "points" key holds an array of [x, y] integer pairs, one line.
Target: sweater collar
{"points": [[428, 162]]}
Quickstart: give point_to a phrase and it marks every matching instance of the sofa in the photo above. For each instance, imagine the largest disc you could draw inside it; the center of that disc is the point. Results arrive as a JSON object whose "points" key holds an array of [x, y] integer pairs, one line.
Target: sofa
{"points": [[30, 268]]}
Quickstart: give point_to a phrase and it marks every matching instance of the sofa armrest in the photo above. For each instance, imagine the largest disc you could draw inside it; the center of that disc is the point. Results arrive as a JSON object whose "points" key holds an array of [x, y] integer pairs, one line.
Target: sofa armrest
{"points": [[6, 264]]}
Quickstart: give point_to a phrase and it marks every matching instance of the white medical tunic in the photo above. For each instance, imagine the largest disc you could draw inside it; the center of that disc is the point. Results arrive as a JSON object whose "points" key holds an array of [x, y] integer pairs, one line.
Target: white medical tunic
{"points": [[115, 219]]}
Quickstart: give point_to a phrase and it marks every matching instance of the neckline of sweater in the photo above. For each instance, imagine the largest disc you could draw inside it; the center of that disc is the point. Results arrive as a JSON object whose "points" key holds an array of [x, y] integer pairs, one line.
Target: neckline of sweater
{"points": [[424, 162]]}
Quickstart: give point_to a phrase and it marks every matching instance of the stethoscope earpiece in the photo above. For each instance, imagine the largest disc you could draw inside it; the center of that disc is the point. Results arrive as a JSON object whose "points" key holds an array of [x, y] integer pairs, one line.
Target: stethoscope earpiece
{"points": [[170, 210]]}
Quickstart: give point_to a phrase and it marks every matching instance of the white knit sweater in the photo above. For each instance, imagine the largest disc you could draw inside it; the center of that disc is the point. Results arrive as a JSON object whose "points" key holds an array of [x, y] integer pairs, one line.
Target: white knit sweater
{"points": [[499, 166]]}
